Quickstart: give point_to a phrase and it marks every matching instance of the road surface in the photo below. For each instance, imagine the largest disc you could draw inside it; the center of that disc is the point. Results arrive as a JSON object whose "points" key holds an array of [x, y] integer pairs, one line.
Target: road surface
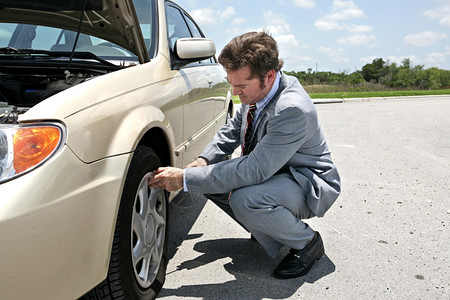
{"points": [[387, 236]]}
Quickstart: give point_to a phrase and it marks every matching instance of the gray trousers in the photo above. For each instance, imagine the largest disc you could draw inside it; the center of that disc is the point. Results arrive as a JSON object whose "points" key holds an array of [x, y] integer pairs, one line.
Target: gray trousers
{"points": [[271, 211]]}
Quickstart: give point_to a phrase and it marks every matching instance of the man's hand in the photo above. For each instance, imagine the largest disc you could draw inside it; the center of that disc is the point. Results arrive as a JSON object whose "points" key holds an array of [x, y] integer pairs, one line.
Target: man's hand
{"points": [[199, 162], [168, 178], [171, 179]]}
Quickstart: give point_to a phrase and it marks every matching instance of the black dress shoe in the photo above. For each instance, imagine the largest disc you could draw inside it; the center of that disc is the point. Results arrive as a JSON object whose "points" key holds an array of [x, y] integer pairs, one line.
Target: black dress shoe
{"points": [[299, 262]]}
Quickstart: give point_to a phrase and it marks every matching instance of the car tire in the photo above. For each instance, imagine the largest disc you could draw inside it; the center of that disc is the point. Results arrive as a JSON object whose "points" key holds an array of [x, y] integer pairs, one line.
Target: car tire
{"points": [[139, 253]]}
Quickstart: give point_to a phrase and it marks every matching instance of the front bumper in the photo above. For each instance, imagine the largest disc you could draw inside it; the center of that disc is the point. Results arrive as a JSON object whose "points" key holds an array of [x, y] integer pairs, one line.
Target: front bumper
{"points": [[56, 227]]}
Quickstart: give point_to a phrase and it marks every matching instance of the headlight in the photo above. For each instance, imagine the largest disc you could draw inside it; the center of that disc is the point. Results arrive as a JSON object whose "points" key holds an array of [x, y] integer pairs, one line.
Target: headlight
{"points": [[24, 147]]}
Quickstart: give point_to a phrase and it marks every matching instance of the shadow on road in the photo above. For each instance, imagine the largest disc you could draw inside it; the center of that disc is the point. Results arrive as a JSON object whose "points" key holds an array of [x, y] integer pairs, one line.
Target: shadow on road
{"points": [[184, 210], [249, 264]]}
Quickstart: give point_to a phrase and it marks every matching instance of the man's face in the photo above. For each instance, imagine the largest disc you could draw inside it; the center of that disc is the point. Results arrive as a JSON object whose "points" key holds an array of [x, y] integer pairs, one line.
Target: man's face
{"points": [[249, 89]]}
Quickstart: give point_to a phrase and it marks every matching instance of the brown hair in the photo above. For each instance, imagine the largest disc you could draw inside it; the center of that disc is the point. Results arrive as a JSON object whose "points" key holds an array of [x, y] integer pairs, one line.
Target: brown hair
{"points": [[258, 50]]}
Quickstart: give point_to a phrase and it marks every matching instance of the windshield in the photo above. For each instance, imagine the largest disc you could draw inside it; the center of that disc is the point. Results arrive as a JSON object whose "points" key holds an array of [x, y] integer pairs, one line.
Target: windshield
{"points": [[38, 37], [35, 37]]}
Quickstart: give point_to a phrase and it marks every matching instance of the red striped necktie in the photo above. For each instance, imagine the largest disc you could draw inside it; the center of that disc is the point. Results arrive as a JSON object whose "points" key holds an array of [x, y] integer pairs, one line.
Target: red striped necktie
{"points": [[248, 131]]}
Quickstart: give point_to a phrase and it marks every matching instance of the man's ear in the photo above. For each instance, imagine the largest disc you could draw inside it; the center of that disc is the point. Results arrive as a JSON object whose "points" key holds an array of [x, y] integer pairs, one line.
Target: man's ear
{"points": [[271, 75]]}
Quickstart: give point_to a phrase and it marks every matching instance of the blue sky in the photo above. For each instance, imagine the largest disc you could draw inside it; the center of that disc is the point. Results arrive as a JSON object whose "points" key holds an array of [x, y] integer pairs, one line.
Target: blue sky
{"points": [[335, 35]]}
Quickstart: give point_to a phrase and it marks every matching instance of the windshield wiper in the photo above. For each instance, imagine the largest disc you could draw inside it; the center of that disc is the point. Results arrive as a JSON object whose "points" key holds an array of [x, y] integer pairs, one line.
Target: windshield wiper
{"points": [[8, 50], [80, 55], [31, 53]]}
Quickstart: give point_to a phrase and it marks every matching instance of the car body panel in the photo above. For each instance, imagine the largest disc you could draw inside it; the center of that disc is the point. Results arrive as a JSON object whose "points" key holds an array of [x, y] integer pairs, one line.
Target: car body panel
{"points": [[61, 228], [100, 99], [57, 221]]}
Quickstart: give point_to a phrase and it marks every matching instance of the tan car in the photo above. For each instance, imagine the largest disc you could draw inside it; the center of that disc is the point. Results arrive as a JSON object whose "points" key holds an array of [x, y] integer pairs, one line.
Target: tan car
{"points": [[94, 95]]}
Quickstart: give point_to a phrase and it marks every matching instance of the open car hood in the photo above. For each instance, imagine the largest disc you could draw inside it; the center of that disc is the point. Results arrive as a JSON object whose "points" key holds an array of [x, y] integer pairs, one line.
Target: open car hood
{"points": [[112, 20]]}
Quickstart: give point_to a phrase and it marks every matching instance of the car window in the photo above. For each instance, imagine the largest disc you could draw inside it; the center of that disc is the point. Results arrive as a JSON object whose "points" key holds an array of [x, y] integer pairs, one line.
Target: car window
{"points": [[43, 39], [194, 29], [36, 37], [197, 33], [145, 13], [6, 31], [176, 26], [180, 25]]}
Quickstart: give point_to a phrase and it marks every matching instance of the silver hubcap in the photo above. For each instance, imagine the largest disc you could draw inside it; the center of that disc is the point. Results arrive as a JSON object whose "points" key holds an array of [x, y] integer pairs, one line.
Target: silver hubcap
{"points": [[148, 232]]}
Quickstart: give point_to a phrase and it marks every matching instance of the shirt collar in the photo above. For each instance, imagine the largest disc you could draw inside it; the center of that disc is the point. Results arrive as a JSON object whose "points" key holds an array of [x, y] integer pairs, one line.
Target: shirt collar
{"points": [[263, 102]]}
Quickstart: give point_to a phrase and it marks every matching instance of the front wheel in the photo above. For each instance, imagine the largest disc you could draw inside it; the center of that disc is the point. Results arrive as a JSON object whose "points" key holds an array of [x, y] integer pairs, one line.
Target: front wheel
{"points": [[139, 254]]}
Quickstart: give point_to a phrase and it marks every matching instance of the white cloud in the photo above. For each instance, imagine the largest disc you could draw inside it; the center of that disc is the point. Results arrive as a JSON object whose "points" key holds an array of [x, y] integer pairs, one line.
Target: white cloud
{"points": [[369, 59], [435, 57], [290, 48], [304, 58], [424, 39], [228, 13], [335, 55], [399, 59], [345, 10], [276, 23], [445, 21], [238, 21], [288, 40], [357, 39], [342, 11], [305, 3], [358, 28], [299, 3], [206, 17], [327, 24], [441, 13]]}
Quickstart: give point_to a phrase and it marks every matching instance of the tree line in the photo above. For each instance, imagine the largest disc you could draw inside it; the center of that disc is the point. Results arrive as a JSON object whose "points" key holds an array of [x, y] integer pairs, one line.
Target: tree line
{"points": [[389, 75]]}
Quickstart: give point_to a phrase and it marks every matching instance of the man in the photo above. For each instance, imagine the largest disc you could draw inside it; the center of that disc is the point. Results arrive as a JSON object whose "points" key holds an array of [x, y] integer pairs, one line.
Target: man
{"points": [[285, 173]]}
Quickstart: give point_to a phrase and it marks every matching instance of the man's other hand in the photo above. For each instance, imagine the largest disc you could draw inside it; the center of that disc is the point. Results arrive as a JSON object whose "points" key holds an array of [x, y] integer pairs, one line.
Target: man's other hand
{"points": [[199, 162]]}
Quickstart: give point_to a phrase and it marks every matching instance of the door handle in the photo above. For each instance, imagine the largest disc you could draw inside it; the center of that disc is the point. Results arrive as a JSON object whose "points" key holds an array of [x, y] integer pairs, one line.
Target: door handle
{"points": [[210, 80]]}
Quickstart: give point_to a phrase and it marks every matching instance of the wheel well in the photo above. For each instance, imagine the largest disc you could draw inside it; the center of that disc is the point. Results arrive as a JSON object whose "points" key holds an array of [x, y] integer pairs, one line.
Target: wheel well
{"points": [[156, 139]]}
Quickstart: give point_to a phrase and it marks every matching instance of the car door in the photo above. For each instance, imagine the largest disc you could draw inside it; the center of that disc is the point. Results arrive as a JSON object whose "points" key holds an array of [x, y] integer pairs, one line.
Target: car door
{"points": [[203, 79]]}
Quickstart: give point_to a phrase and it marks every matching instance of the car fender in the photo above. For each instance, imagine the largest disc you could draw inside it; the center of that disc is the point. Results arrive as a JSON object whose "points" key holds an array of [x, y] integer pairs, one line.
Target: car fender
{"points": [[109, 135]]}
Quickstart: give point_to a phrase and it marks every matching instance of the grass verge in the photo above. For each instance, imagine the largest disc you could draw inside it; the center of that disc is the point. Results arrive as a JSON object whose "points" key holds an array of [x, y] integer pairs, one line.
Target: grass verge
{"points": [[340, 95], [379, 94]]}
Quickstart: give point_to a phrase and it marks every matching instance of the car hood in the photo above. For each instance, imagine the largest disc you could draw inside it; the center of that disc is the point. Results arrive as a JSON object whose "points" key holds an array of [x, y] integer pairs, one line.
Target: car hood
{"points": [[115, 21]]}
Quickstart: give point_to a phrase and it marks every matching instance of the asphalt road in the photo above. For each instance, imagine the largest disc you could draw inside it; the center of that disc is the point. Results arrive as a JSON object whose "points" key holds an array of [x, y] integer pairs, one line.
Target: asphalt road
{"points": [[387, 236]]}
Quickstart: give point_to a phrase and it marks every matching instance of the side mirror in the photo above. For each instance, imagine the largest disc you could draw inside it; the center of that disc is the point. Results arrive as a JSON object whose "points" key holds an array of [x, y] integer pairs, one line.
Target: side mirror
{"points": [[189, 50]]}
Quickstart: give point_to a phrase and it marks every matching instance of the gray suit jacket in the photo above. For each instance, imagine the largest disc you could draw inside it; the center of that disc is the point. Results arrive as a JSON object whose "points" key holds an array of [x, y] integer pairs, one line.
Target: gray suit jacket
{"points": [[287, 138]]}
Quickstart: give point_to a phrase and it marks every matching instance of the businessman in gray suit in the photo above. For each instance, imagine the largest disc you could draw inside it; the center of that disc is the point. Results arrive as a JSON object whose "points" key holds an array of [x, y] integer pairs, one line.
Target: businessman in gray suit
{"points": [[285, 173]]}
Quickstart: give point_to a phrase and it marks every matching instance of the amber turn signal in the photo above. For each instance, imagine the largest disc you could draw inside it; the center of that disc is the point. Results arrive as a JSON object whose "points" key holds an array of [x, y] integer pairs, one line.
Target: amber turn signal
{"points": [[33, 144]]}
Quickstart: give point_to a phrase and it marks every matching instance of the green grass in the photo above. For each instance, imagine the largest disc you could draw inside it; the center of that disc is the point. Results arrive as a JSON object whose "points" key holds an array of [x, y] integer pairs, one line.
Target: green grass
{"points": [[369, 94], [379, 94]]}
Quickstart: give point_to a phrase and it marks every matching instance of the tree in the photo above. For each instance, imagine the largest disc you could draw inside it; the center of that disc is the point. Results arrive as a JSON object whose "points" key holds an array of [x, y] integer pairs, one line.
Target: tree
{"points": [[408, 77], [389, 75], [372, 72], [433, 78], [355, 78]]}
